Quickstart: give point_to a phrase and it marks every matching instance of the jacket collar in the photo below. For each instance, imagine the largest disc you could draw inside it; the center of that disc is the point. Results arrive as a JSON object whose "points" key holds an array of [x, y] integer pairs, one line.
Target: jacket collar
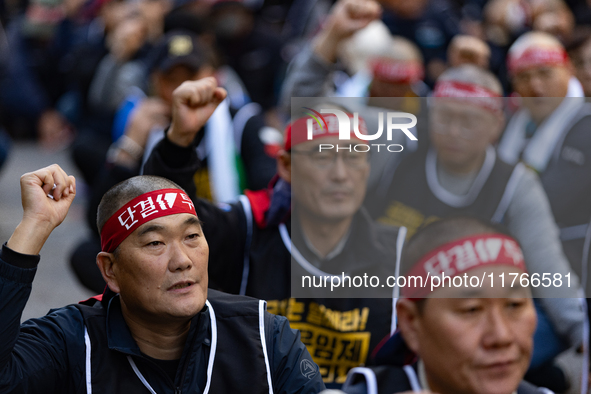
{"points": [[119, 336], [361, 239]]}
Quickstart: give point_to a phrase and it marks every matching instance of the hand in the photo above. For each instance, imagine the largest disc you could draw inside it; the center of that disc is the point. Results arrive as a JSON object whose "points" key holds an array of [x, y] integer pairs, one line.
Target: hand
{"points": [[41, 213], [192, 104], [465, 49], [346, 18], [150, 113]]}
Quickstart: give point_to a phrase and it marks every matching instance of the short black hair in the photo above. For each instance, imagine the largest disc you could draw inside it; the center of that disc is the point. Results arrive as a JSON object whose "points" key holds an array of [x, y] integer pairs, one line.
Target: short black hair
{"points": [[125, 191]]}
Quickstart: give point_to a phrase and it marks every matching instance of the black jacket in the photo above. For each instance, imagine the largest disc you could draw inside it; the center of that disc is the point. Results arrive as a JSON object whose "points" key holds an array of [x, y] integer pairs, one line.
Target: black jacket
{"points": [[254, 260], [233, 346]]}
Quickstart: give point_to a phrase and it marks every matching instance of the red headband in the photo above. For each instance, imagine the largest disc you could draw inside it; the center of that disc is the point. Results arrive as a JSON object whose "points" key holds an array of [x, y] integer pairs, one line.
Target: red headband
{"points": [[534, 57], [297, 132], [140, 210], [397, 71], [470, 93], [463, 255]]}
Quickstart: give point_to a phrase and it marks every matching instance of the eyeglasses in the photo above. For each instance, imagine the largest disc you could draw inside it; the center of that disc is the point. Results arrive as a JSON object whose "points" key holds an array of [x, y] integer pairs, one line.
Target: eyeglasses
{"points": [[328, 158], [466, 127]]}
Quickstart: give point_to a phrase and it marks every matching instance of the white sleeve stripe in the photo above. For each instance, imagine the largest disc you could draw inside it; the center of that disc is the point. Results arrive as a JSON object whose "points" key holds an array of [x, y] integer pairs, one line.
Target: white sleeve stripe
{"points": [[88, 362], [249, 230], [399, 245], [264, 342], [214, 342]]}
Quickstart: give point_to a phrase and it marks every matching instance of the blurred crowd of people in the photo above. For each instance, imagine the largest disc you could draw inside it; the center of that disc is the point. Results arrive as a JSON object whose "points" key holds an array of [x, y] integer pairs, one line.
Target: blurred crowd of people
{"points": [[503, 135]]}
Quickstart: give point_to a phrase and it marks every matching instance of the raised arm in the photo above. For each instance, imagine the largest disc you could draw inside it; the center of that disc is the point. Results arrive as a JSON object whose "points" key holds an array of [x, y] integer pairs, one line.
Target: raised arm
{"points": [[309, 73], [46, 197], [174, 158]]}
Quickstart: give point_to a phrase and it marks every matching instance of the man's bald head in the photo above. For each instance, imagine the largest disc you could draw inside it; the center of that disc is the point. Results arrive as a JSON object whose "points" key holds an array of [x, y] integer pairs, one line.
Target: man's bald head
{"points": [[441, 232], [125, 191], [465, 49], [534, 40], [396, 69], [540, 73], [474, 75], [535, 50], [496, 322]]}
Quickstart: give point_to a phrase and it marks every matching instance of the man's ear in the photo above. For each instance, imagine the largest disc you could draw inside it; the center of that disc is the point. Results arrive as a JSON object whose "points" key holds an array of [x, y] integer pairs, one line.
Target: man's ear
{"points": [[408, 316], [106, 262], [284, 165]]}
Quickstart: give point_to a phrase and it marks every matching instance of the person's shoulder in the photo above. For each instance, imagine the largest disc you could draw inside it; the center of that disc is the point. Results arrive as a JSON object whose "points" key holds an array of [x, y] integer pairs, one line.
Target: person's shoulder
{"points": [[66, 322], [68, 313], [525, 175], [379, 231], [385, 378], [386, 232], [581, 120], [233, 304], [528, 388]]}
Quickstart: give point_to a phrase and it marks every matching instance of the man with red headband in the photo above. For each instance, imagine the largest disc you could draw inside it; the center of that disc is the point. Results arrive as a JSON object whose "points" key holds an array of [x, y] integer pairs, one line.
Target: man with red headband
{"points": [[496, 322], [461, 174], [397, 71], [311, 211], [550, 134], [157, 328]]}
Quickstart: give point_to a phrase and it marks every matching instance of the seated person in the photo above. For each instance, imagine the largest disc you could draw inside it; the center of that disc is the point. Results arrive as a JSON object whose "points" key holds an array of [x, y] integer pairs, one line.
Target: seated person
{"points": [[392, 69], [397, 71], [457, 339], [579, 50], [549, 133], [156, 328], [312, 211], [179, 56], [461, 174]]}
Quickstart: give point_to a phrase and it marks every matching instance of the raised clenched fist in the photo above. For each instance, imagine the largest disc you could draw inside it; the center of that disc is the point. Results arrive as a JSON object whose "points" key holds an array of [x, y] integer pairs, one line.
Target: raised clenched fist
{"points": [[192, 104], [46, 196], [346, 18]]}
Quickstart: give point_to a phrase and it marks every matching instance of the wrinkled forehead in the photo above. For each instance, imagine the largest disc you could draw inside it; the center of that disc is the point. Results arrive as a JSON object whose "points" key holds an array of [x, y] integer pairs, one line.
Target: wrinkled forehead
{"points": [[169, 223], [321, 143], [141, 210], [536, 54]]}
